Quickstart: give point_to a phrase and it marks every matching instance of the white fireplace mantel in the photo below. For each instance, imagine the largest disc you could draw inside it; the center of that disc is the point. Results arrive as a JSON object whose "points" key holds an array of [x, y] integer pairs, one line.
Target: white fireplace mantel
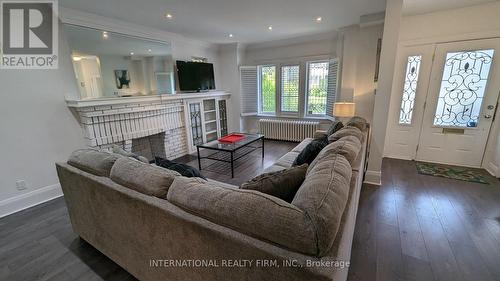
{"points": [[142, 99]]}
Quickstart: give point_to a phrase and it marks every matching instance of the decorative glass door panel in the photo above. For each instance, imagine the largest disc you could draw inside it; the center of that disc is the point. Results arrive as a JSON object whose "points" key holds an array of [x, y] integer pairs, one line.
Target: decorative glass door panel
{"points": [[223, 118], [410, 89], [196, 123], [463, 86]]}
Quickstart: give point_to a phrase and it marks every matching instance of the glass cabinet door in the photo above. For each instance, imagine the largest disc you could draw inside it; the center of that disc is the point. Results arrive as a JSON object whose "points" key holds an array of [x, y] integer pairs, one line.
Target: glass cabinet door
{"points": [[196, 123], [223, 118]]}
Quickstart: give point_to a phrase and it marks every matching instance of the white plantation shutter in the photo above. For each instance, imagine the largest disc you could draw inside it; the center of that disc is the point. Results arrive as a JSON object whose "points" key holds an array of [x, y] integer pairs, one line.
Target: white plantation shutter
{"points": [[333, 76], [249, 90]]}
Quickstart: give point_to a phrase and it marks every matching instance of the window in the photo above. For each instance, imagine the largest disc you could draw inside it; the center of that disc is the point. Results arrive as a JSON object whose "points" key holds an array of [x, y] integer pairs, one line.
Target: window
{"points": [[409, 89], [290, 88], [267, 89], [317, 87], [463, 85]]}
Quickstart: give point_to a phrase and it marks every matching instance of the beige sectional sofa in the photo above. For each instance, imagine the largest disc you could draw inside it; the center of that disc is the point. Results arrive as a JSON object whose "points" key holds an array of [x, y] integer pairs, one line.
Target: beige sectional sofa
{"points": [[159, 225]]}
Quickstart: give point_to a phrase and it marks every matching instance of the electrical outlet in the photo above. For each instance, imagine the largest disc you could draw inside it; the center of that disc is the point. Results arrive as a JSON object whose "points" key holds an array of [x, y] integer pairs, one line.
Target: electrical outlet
{"points": [[21, 185]]}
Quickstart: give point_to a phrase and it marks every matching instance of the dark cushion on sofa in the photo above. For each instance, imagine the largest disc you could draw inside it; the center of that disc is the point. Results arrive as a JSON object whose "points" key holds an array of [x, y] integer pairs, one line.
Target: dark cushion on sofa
{"points": [[282, 184], [336, 125], [181, 168], [98, 163], [307, 155], [142, 177]]}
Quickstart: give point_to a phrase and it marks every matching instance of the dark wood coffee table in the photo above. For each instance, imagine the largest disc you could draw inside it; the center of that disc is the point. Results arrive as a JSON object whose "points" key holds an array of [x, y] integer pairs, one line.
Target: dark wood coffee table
{"points": [[230, 152]]}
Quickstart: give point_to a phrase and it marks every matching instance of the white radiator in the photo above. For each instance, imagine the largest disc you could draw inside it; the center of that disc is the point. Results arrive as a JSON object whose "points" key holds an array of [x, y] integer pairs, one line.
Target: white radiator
{"points": [[288, 130]]}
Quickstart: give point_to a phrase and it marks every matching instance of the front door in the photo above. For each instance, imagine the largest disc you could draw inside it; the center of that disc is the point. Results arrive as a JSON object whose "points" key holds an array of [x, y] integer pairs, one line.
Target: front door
{"points": [[460, 103]]}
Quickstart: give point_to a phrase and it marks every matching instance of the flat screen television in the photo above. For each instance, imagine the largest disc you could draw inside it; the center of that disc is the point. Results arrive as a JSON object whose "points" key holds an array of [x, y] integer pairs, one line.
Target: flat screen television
{"points": [[195, 76]]}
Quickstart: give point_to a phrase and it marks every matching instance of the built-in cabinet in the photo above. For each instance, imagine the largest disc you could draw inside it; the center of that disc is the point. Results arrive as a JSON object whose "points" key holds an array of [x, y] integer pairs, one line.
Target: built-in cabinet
{"points": [[207, 120]]}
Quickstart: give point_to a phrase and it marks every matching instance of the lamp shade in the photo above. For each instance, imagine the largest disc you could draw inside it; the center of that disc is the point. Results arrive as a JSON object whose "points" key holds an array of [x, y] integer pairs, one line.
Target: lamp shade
{"points": [[344, 109]]}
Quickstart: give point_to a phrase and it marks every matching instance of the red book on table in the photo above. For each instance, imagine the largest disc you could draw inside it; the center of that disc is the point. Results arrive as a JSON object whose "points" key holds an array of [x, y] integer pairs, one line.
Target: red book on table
{"points": [[232, 138]]}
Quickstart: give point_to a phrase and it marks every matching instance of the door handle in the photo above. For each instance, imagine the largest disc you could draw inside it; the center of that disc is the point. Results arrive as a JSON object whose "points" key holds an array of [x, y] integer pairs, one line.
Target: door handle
{"points": [[488, 116]]}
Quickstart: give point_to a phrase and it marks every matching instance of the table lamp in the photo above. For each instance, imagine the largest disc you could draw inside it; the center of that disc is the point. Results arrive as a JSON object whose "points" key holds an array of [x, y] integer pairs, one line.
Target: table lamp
{"points": [[344, 110]]}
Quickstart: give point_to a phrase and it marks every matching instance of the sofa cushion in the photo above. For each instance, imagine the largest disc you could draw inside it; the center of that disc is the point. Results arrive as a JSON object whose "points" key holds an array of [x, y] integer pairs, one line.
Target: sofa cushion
{"points": [[347, 131], [98, 163], [358, 122], [181, 168], [248, 211], [348, 146], [282, 184], [311, 151], [287, 159], [336, 125], [142, 177], [323, 196], [118, 150]]}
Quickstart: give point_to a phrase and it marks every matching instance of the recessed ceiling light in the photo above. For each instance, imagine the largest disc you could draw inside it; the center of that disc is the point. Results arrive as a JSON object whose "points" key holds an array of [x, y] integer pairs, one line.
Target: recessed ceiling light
{"points": [[168, 15], [149, 50], [319, 19], [131, 53], [231, 35], [105, 35], [270, 27]]}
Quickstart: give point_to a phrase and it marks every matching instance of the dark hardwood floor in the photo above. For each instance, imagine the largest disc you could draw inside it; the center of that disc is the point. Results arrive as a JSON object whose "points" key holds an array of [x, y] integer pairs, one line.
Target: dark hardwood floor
{"points": [[413, 227]]}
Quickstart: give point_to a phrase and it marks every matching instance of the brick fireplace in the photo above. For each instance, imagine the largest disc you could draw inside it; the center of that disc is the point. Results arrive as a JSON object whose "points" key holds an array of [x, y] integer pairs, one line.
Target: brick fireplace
{"points": [[148, 127]]}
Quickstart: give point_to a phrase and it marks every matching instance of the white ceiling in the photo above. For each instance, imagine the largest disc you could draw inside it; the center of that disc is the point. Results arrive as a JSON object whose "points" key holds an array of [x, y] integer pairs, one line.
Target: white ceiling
{"points": [[415, 7], [248, 20], [91, 42]]}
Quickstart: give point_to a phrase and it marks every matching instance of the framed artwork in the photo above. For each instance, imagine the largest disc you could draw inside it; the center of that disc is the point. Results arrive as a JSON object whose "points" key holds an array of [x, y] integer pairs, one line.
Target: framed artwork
{"points": [[122, 79]]}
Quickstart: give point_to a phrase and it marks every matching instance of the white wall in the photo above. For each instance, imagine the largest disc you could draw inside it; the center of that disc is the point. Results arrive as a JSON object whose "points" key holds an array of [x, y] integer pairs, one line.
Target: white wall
{"points": [[482, 21], [230, 56], [37, 128], [359, 56], [283, 50], [383, 97]]}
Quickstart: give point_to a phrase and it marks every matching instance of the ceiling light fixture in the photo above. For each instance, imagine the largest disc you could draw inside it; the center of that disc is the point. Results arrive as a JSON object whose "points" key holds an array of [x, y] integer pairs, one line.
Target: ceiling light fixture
{"points": [[76, 58], [319, 19], [231, 35], [168, 16], [270, 27], [149, 50], [131, 53], [105, 35]]}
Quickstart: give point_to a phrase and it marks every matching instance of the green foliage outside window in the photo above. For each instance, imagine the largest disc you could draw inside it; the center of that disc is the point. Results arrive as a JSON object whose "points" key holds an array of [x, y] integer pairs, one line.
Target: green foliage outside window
{"points": [[268, 90]]}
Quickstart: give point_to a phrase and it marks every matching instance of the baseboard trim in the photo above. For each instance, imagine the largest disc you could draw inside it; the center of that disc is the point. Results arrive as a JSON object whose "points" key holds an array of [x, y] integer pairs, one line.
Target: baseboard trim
{"points": [[492, 169], [373, 177], [27, 200]]}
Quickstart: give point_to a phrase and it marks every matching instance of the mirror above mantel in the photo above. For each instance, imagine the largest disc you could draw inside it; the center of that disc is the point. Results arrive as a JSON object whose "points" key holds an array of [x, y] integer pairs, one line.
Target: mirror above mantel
{"points": [[109, 64]]}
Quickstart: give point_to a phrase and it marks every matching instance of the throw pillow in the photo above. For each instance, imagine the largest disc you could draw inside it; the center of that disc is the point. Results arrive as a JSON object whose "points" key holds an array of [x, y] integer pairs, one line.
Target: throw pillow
{"points": [[282, 184], [120, 151], [347, 131], [358, 122], [181, 168], [336, 125], [307, 155]]}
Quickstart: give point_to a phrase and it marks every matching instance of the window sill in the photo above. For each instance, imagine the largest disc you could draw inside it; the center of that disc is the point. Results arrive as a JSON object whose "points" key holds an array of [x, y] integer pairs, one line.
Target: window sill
{"points": [[320, 118]]}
